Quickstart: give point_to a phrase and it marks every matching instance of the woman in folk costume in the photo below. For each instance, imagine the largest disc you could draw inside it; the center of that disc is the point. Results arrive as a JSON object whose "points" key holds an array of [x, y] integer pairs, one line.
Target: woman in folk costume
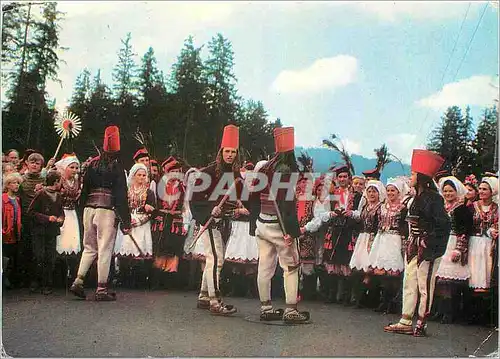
{"points": [[482, 257], [196, 252], [68, 242], [453, 270], [307, 241], [485, 234], [471, 184], [316, 227], [386, 255], [339, 239], [242, 252], [139, 244], [429, 232], [375, 195], [170, 244]]}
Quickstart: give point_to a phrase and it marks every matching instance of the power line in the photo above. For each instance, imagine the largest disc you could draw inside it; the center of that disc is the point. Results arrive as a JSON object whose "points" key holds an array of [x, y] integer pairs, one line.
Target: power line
{"points": [[455, 45], [447, 65], [471, 39]]}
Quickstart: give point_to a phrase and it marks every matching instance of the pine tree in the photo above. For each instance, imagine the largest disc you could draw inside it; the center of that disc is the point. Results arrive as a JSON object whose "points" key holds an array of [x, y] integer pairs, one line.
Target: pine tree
{"points": [[28, 120], [221, 86], [256, 133], [153, 114], [190, 95], [485, 142], [123, 74], [452, 139]]}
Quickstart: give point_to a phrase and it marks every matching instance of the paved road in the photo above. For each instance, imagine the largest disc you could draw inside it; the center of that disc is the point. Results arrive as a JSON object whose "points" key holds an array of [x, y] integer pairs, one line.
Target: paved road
{"points": [[162, 323]]}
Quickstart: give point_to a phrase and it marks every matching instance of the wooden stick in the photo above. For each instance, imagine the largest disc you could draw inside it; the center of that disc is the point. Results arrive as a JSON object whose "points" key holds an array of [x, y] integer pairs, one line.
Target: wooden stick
{"points": [[57, 151]]}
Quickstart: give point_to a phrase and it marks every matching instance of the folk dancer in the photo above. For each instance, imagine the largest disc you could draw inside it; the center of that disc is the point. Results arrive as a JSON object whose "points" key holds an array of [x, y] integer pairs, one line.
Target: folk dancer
{"points": [[104, 192], [276, 233], [205, 207], [429, 232]]}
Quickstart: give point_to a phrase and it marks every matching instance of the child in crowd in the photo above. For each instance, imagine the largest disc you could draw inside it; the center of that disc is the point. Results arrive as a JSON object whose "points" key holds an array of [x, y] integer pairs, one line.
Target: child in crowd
{"points": [[48, 216], [11, 226]]}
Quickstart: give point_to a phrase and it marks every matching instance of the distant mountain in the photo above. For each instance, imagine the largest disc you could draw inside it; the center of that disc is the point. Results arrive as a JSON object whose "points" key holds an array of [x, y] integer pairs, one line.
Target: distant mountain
{"points": [[324, 158]]}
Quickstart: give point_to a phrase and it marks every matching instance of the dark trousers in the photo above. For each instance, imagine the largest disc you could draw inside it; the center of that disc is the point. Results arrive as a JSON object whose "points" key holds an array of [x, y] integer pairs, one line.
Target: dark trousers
{"points": [[10, 270], [44, 251]]}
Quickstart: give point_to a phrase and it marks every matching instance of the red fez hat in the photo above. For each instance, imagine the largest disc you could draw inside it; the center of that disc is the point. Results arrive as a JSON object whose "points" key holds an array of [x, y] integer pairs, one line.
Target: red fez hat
{"points": [[153, 163], [111, 139], [426, 162], [374, 173], [284, 140], [231, 137], [140, 153], [170, 164]]}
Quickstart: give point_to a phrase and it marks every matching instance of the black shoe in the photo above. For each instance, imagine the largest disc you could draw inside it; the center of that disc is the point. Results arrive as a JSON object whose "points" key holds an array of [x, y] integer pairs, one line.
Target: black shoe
{"points": [[47, 291], [77, 289], [105, 296]]}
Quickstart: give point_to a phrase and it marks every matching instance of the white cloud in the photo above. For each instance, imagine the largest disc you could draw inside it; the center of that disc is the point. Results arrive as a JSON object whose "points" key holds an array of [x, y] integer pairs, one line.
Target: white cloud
{"points": [[323, 74], [474, 91], [401, 145], [419, 10]]}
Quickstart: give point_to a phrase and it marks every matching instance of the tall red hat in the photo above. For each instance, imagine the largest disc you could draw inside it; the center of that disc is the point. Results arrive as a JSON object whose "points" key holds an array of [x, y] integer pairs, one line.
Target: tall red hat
{"points": [[140, 153], [426, 162], [111, 139], [284, 140], [231, 137]]}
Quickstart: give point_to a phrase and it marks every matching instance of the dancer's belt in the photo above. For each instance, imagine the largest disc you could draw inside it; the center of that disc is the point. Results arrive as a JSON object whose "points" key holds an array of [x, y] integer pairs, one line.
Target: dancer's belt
{"points": [[268, 218], [100, 198]]}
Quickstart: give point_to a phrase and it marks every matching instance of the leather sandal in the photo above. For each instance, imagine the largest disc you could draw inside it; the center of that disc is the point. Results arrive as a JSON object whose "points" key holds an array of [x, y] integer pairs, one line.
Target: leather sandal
{"points": [[399, 328]]}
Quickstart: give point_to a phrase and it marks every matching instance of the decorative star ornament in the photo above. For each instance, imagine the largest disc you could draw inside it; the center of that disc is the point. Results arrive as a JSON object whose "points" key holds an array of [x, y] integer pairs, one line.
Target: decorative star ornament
{"points": [[67, 124]]}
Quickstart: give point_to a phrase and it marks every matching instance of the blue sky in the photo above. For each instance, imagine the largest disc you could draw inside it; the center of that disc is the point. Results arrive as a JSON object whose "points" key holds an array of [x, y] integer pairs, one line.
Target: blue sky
{"points": [[368, 71]]}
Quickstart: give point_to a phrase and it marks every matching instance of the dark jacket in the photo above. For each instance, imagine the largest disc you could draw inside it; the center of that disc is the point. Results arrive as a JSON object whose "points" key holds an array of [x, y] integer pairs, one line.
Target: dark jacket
{"points": [[201, 203], [288, 209], [434, 224], [106, 174], [45, 204]]}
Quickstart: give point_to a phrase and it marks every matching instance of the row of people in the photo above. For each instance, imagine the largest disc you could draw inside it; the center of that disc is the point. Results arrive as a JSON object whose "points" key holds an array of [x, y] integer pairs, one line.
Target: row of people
{"points": [[346, 242]]}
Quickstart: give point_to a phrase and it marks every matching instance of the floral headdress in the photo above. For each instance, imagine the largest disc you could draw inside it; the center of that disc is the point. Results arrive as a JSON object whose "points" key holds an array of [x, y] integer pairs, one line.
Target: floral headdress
{"points": [[471, 180]]}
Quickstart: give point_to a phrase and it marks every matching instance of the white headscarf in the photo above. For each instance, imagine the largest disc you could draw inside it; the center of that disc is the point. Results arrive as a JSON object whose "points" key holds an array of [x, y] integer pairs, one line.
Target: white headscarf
{"points": [[63, 163], [401, 185], [379, 186], [259, 165], [136, 167], [459, 186], [493, 183]]}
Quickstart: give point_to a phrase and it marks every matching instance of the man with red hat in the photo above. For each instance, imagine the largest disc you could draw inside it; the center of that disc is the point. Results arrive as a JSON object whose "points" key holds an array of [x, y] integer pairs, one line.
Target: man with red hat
{"points": [[207, 207], [273, 220], [429, 231], [104, 197]]}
